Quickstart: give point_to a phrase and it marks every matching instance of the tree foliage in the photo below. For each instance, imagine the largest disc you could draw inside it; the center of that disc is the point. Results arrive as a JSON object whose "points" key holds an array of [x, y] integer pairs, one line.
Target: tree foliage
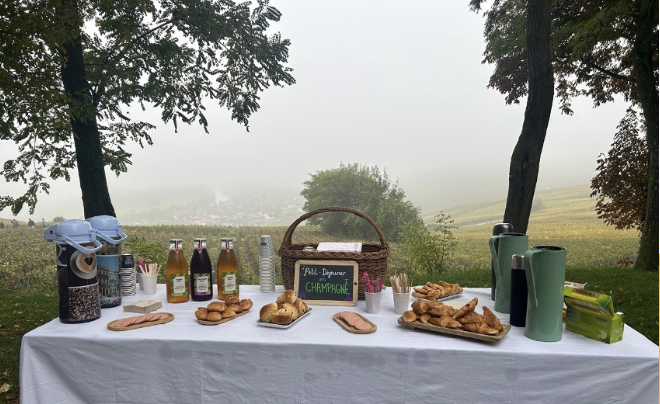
{"points": [[360, 188], [621, 184], [71, 72], [600, 49], [429, 249]]}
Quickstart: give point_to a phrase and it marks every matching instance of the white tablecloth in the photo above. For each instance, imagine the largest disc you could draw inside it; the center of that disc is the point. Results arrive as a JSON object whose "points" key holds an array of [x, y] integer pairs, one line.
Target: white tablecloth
{"points": [[316, 361]]}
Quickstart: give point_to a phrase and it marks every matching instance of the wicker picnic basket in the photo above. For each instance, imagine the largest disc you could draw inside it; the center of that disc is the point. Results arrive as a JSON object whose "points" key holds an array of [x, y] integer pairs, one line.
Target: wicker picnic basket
{"points": [[372, 259]]}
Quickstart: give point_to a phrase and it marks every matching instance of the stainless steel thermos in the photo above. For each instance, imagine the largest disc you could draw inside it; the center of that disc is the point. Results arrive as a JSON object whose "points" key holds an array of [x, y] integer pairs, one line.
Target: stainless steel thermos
{"points": [[518, 291]]}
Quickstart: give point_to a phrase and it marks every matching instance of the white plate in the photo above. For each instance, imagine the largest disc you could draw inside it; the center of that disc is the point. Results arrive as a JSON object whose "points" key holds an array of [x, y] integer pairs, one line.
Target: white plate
{"points": [[273, 325], [438, 300]]}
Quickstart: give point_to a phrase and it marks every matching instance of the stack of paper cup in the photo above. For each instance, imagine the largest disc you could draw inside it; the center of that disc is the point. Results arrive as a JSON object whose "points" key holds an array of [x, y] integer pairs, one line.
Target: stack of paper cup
{"points": [[127, 274], [266, 265]]}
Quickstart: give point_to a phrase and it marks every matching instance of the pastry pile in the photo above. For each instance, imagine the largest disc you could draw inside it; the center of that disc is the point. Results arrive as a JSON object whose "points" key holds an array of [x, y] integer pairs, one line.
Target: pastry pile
{"points": [[465, 318], [285, 310], [434, 291], [220, 310]]}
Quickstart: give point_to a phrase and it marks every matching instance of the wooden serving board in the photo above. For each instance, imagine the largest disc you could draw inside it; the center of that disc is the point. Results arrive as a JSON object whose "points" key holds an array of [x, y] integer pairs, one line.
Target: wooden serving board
{"points": [[113, 327], [350, 329], [224, 320], [457, 332]]}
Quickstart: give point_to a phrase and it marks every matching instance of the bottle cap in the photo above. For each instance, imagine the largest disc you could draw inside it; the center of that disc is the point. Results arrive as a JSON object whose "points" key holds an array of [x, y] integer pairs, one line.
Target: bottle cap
{"points": [[517, 261]]}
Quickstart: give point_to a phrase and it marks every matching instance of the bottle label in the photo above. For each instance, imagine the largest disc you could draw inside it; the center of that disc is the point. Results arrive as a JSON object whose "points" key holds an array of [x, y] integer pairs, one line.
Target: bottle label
{"points": [[229, 282], [179, 285], [202, 285]]}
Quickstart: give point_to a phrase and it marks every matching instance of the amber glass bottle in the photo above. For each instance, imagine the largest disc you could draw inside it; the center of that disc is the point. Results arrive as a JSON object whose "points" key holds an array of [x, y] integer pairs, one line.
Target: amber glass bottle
{"points": [[227, 270], [201, 272], [176, 274]]}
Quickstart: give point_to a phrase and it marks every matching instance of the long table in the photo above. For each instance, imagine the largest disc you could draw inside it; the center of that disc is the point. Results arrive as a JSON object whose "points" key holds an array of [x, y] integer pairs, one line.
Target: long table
{"points": [[316, 361]]}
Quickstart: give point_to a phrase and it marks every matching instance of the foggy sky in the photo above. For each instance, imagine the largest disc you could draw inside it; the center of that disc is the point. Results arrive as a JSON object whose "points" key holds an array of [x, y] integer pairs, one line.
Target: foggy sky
{"points": [[393, 84]]}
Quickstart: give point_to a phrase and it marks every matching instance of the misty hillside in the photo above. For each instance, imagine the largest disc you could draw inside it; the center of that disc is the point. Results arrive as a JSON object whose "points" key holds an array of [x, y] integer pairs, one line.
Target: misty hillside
{"points": [[563, 203]]}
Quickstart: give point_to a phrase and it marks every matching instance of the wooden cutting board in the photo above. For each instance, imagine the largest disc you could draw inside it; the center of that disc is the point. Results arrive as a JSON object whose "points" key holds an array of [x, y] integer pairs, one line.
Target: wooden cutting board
{"points": [[350, 328], [113, 327]]}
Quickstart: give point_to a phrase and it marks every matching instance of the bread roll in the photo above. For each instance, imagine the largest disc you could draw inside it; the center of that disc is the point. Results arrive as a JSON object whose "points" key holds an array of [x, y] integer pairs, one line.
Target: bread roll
{"points": [[228, 313], [282, 317], [267, 311], [289, 296], [201, 313], [216, 306], [409, 316], [301, 306], [246, 304], [232, 299], [214, 316], [290, 307]]}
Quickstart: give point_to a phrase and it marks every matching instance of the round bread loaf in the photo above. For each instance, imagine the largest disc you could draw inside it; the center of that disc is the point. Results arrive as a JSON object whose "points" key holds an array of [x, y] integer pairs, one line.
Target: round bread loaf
{"points": [[289, 296], [301, 306], [290, 307], [282, 317], [267, 311]]}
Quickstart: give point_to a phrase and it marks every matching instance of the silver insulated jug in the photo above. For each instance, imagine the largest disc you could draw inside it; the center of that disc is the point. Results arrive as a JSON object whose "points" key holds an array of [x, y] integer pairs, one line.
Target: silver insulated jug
{"points": [[77, 274], [108, 258]]}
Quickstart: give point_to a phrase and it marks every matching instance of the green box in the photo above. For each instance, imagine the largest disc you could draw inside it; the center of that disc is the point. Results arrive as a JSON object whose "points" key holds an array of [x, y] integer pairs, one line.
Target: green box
{"points": [[592, 314]]}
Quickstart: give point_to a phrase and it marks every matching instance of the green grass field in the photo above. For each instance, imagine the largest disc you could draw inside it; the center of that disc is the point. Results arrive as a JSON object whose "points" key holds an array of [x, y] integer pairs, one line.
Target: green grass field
{"points": [[597, 254]]}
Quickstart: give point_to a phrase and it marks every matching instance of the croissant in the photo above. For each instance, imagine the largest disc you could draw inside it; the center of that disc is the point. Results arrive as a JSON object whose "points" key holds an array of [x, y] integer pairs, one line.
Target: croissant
{"points": [[419, 307], [492, 320], [471, 318], [482, 328], [409, 316], [442, 310], [469, 306], [445, 321], [424, 318]]}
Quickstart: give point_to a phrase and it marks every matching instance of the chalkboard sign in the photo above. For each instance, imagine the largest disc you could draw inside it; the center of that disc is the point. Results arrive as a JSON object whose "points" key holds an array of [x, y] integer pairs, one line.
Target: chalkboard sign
{"points": [[329, 283]]}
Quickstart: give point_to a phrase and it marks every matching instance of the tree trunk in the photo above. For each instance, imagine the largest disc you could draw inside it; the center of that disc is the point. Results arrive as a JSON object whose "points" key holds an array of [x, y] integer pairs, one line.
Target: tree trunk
{"points": [[524, 168], [648, 95], [89, 155]]}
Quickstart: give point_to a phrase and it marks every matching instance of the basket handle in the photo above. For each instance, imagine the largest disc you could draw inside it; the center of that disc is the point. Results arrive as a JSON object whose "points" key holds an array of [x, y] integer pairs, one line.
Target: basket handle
{"points": [[286, 242]]}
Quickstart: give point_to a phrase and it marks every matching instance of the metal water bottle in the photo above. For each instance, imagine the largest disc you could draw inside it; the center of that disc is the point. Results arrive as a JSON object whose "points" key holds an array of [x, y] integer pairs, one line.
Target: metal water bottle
{"points": [[266, 265], [518, 311], [497, 229]]}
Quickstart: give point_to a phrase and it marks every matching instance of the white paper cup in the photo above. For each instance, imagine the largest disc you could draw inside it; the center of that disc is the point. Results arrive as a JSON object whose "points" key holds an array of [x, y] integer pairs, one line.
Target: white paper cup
{"points": [[149, 283], [401, 302]]}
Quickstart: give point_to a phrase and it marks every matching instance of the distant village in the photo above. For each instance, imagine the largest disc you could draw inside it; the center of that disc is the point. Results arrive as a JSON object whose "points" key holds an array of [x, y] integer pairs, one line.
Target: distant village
{"points": [[244, 210]]}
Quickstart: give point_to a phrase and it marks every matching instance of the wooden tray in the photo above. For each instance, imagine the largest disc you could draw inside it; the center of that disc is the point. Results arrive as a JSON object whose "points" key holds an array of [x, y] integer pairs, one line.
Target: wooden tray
{"points": [[459, 333], [350, 329], [112, 327], [224, 320]]}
